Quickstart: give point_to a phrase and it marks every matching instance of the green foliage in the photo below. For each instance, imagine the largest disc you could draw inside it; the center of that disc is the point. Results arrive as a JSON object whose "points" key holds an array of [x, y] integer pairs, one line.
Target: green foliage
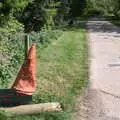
{"points": [[77, 7], [45, 36], [37, 14], [56, 56], [11, 51], [8, 7], [114, 8], [12, 48], [62, 14], [50, 12], [33, 16], [56, 80], [68, 10], [106, 7], [49, 116]]}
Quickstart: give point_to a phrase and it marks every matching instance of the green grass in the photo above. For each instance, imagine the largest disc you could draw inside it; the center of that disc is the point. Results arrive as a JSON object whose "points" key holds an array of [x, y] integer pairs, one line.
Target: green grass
{"points": [[62, 73]]}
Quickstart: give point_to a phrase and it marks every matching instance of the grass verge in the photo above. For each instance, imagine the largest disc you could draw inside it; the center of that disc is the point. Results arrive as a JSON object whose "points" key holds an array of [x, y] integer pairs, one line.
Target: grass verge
{"points": [[62, 72]]}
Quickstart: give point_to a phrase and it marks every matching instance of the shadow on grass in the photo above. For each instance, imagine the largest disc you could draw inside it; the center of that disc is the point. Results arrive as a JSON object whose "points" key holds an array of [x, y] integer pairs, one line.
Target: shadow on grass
{"points": [[75, 26]]}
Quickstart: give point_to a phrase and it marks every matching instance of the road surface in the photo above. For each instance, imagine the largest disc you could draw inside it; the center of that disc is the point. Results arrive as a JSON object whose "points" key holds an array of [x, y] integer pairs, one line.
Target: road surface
{"points": [[103, 96]]}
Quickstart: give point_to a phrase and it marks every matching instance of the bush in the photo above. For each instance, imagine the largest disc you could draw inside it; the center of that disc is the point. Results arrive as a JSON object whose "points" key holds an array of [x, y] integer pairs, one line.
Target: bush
{"points": [[104, 7], [45, 36], [12, 48]]}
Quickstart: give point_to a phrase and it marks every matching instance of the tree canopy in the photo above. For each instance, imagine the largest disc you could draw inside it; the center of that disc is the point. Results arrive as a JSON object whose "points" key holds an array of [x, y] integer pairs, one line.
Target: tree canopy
{"points": [[33, 15], [8, 7]]}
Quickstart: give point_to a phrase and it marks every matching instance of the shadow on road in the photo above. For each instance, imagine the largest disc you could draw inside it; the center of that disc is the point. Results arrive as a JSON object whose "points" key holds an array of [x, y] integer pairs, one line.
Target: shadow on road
{"points": [[102, 25]]}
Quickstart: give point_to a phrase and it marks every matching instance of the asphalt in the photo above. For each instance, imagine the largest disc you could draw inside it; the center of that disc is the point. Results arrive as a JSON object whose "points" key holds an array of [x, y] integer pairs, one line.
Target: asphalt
{"points": [[103, 96]]}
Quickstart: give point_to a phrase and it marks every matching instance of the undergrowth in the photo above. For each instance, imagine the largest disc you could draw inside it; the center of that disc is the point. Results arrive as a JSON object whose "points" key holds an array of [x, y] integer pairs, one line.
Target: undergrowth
{"points": [[62, 72]]}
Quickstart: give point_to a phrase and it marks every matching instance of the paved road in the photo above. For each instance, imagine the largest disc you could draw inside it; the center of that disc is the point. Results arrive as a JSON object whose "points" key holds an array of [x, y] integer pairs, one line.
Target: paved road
{"points": [[104, 91]]}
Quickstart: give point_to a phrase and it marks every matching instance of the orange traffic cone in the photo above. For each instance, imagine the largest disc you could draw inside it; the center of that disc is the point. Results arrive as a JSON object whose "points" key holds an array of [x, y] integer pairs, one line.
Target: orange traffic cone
{"points": [[25, 82]]}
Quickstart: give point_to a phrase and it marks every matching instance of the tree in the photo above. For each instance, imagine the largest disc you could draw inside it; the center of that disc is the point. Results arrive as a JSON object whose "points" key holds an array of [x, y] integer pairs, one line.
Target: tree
{"points": [[77, 7], [106, 7], [69, 9], [114, 8], [8, 7], [35, 15]]}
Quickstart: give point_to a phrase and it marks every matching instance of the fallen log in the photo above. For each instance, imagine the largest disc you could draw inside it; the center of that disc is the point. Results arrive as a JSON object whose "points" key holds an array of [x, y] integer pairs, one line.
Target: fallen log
{"points": [[34, 108]]}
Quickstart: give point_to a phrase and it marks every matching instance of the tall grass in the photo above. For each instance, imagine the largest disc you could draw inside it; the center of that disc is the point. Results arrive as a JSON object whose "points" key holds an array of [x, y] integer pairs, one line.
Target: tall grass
{"points": [[62, 72]]}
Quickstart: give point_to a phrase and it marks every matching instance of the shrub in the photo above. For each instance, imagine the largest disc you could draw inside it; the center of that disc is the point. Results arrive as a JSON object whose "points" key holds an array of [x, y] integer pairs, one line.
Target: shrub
{"points": [[45, 36], [12, 48]]}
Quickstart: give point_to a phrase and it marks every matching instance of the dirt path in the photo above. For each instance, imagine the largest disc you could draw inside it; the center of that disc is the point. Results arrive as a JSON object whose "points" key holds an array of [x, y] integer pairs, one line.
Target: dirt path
{"points": [[102, 101]]}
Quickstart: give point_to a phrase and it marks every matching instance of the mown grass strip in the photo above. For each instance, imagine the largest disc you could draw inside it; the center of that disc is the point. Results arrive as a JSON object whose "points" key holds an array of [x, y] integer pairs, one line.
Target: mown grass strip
{"points": [[63, 70]]}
